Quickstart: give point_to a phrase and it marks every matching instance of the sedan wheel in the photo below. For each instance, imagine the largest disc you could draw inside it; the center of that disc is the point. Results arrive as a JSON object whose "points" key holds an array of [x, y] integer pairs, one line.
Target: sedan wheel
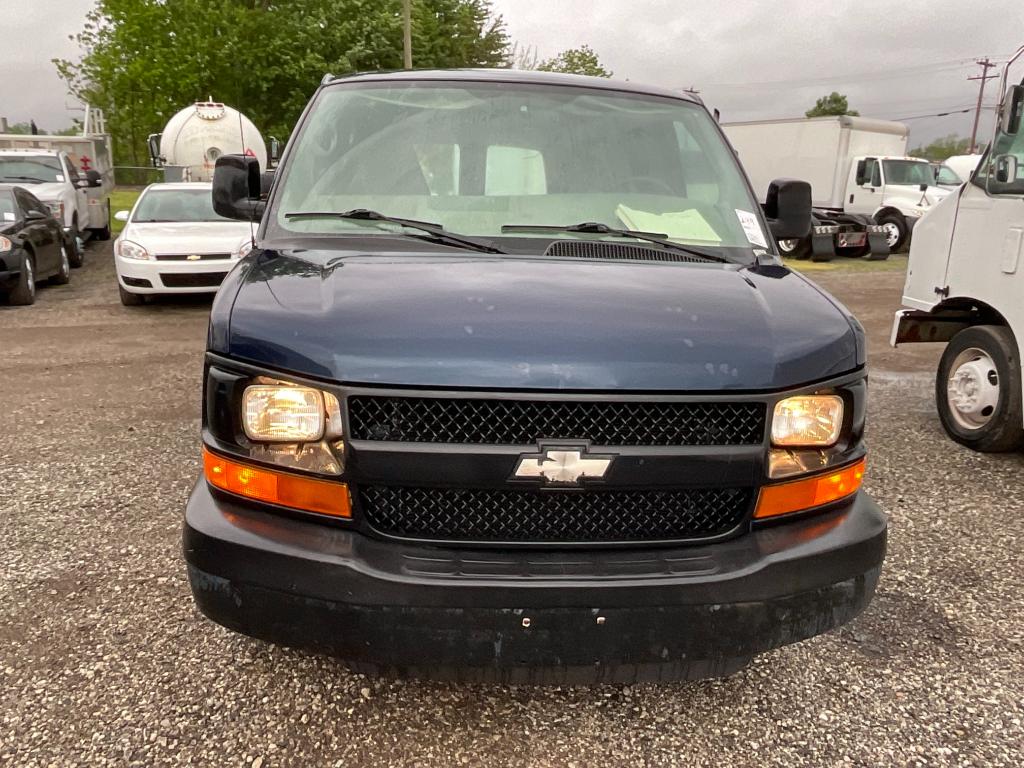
{"points": [[25, 291], [64, 276]]}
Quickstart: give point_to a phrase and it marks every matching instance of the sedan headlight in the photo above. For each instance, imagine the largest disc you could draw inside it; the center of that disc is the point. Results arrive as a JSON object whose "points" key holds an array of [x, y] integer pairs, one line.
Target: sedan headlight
{"points": [[807, 421], [126, 249], [5, 244]]}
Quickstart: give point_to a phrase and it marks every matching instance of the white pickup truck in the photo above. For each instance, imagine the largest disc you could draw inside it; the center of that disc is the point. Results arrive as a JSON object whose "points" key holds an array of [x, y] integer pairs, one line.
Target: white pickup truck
{"points": [[73, 175]]}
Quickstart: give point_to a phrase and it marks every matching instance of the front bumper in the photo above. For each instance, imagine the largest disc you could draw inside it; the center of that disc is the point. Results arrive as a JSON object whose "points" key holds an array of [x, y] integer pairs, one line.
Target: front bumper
{"points": [[151, 276], [530, 615], [9, 279]]}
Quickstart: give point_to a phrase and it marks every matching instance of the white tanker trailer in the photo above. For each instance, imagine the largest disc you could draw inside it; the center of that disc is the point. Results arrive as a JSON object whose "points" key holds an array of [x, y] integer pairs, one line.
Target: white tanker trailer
{"points": [[194, 138]]}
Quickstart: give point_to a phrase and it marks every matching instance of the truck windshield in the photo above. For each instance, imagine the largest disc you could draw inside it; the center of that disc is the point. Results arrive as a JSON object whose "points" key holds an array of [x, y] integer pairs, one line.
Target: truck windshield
{"points": [[908, 172], [175, 205], [473, 157], [31, 170]]}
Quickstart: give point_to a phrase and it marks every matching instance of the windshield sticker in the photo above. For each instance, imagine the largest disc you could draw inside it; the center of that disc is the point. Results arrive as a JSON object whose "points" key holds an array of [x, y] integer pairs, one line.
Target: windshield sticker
{"points": [[8, 216], [59, 178], [751, 228]]}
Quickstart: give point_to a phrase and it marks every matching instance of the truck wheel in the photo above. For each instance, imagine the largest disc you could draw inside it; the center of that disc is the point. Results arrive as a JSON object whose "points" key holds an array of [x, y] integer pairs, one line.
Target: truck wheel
{"points": [[795, 249], [130, 299], [76, 254], [24, 292], [103, 234], [64, 276], [978, 390], [895, 227]]}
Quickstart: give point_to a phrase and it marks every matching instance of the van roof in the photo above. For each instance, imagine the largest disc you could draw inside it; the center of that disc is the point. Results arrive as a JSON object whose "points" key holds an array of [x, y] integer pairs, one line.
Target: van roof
{"points": [[512, 76]]}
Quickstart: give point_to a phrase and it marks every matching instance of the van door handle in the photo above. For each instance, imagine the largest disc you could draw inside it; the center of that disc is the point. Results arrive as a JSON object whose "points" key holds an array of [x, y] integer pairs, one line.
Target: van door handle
{"points": [[851, 198]]}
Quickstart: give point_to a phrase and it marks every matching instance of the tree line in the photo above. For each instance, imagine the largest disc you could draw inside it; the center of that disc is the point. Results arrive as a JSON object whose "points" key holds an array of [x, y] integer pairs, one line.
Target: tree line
{"points": [[143, 60]]}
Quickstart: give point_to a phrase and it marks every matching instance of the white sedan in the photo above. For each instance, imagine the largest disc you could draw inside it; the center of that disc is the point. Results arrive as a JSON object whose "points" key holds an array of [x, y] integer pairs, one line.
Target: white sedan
{"points": [[174, 242]]}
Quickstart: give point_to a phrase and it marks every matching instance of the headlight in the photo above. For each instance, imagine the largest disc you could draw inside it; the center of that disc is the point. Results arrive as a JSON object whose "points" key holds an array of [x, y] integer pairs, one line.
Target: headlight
{"points": [[5, 244], [56, 208], [283, 414], [808, 421], [126, 249]]}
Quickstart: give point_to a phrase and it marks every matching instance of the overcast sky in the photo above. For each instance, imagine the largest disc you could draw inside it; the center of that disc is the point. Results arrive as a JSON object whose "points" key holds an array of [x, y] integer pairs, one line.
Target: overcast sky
{"points": [[751, 59]]}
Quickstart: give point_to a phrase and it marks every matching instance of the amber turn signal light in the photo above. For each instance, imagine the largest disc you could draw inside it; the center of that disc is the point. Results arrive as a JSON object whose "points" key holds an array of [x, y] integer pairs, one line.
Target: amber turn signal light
{"points": [[810, 492], [282, 488]]}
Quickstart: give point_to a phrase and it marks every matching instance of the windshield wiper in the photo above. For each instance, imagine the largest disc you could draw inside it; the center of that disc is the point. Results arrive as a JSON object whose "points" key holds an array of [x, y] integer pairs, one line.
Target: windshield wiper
{"points": [[33, 179], [594, 228], [436, 231]]}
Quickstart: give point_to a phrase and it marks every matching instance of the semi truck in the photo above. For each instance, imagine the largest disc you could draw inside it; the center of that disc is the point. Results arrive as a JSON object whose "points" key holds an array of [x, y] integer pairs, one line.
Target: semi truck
{"points": [[965, 287], [859, 172], [195, 137], [72, 175]]}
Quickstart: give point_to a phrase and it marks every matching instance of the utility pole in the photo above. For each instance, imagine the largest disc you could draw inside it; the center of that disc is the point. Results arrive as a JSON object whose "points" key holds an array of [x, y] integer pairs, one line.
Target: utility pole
{"points": [[407, 19], [985, 65]]}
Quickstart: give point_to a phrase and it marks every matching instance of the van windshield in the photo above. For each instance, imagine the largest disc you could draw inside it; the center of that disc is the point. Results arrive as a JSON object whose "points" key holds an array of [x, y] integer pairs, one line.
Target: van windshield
{"points": [[908, 172], [474, 157]]}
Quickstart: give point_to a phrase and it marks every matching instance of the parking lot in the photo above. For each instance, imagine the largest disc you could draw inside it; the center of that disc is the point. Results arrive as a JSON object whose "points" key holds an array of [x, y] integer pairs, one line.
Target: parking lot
{"points": [[105, 661]]}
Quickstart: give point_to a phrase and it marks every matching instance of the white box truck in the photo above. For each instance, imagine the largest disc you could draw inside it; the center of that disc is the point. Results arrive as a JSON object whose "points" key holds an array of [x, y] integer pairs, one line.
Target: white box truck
{"points": [[73, 175], [965, 288], [857, 167]]}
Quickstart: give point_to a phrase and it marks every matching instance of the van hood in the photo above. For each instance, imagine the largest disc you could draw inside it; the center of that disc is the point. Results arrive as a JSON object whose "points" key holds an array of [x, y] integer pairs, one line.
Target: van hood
{"points": [[517, 323]]}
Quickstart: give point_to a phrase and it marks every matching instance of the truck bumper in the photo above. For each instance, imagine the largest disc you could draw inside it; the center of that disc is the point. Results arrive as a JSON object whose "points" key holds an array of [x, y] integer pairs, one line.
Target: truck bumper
{"points": [[530, 615]]}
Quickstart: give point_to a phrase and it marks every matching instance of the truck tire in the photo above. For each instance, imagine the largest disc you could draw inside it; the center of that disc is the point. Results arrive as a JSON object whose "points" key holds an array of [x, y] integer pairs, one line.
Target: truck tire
{"points": [[63, 277], [103, 234], [76, 254], [795, 249], [130, 299], [978, 390], [24, 293], [896, 230]]}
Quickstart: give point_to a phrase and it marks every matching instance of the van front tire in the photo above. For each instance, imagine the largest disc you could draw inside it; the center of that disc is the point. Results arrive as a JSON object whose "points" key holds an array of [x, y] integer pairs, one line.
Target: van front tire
{"points": [[978, 390]]}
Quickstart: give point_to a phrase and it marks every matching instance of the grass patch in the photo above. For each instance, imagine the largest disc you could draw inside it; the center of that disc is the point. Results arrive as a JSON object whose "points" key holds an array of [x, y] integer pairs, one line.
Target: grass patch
{"points": [[896, 262], [122, 199]]}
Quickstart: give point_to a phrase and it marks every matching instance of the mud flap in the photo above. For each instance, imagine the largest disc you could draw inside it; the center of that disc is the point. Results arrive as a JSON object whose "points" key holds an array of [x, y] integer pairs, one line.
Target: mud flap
{"points": [[823, 247]]}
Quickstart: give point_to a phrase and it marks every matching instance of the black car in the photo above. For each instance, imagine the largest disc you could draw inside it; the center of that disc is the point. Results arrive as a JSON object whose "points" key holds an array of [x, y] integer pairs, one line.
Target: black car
{"points": [[514, 386], [32, 246]]}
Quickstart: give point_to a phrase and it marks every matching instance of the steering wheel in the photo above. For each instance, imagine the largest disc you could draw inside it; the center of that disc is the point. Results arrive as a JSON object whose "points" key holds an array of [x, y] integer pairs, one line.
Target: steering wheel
{"points": [[653, 184]]}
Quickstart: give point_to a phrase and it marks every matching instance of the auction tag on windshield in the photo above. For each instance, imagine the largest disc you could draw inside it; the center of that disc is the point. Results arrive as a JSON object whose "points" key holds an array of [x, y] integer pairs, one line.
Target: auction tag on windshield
{"points": [[751, 228], [8, 216]]}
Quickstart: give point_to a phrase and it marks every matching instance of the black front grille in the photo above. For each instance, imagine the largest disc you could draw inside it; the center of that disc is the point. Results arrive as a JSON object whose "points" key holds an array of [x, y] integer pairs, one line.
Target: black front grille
{"points": [[192, 279], [524, 422], [584, 249], [501, 515]]}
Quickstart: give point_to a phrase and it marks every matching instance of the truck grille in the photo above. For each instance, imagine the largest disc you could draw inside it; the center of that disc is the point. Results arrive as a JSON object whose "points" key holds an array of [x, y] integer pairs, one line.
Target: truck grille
{"points": [[524, 422], [501, 515]]}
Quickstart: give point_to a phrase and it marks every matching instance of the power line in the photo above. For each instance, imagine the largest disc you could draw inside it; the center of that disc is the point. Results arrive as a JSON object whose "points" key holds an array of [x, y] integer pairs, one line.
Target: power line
{"points": [[887, 74]]}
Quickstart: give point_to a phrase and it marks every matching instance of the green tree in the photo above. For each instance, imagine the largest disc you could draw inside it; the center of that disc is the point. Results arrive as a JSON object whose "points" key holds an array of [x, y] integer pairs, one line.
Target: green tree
{"points": [[833, 104], [576, 61], [143, 60], [940, 149]]}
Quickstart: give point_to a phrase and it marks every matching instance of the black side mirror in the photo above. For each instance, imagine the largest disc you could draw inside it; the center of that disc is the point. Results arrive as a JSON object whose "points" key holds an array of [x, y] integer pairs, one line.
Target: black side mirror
{"points": [[923, 187], [266, 182], [34, 215], [862, 172], [236, 188], [1006, 169], [788, 209], [1011, 109], [94, 178]]}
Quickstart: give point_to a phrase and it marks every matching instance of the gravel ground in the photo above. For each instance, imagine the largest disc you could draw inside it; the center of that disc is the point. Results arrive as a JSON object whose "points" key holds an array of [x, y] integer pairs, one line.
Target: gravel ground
{"points": [[104, 660]]}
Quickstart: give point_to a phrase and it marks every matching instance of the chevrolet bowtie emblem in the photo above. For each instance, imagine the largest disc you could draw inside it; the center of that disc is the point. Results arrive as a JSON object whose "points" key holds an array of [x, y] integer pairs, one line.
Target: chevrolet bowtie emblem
{"points": [[562, 467], [194, 257]]}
